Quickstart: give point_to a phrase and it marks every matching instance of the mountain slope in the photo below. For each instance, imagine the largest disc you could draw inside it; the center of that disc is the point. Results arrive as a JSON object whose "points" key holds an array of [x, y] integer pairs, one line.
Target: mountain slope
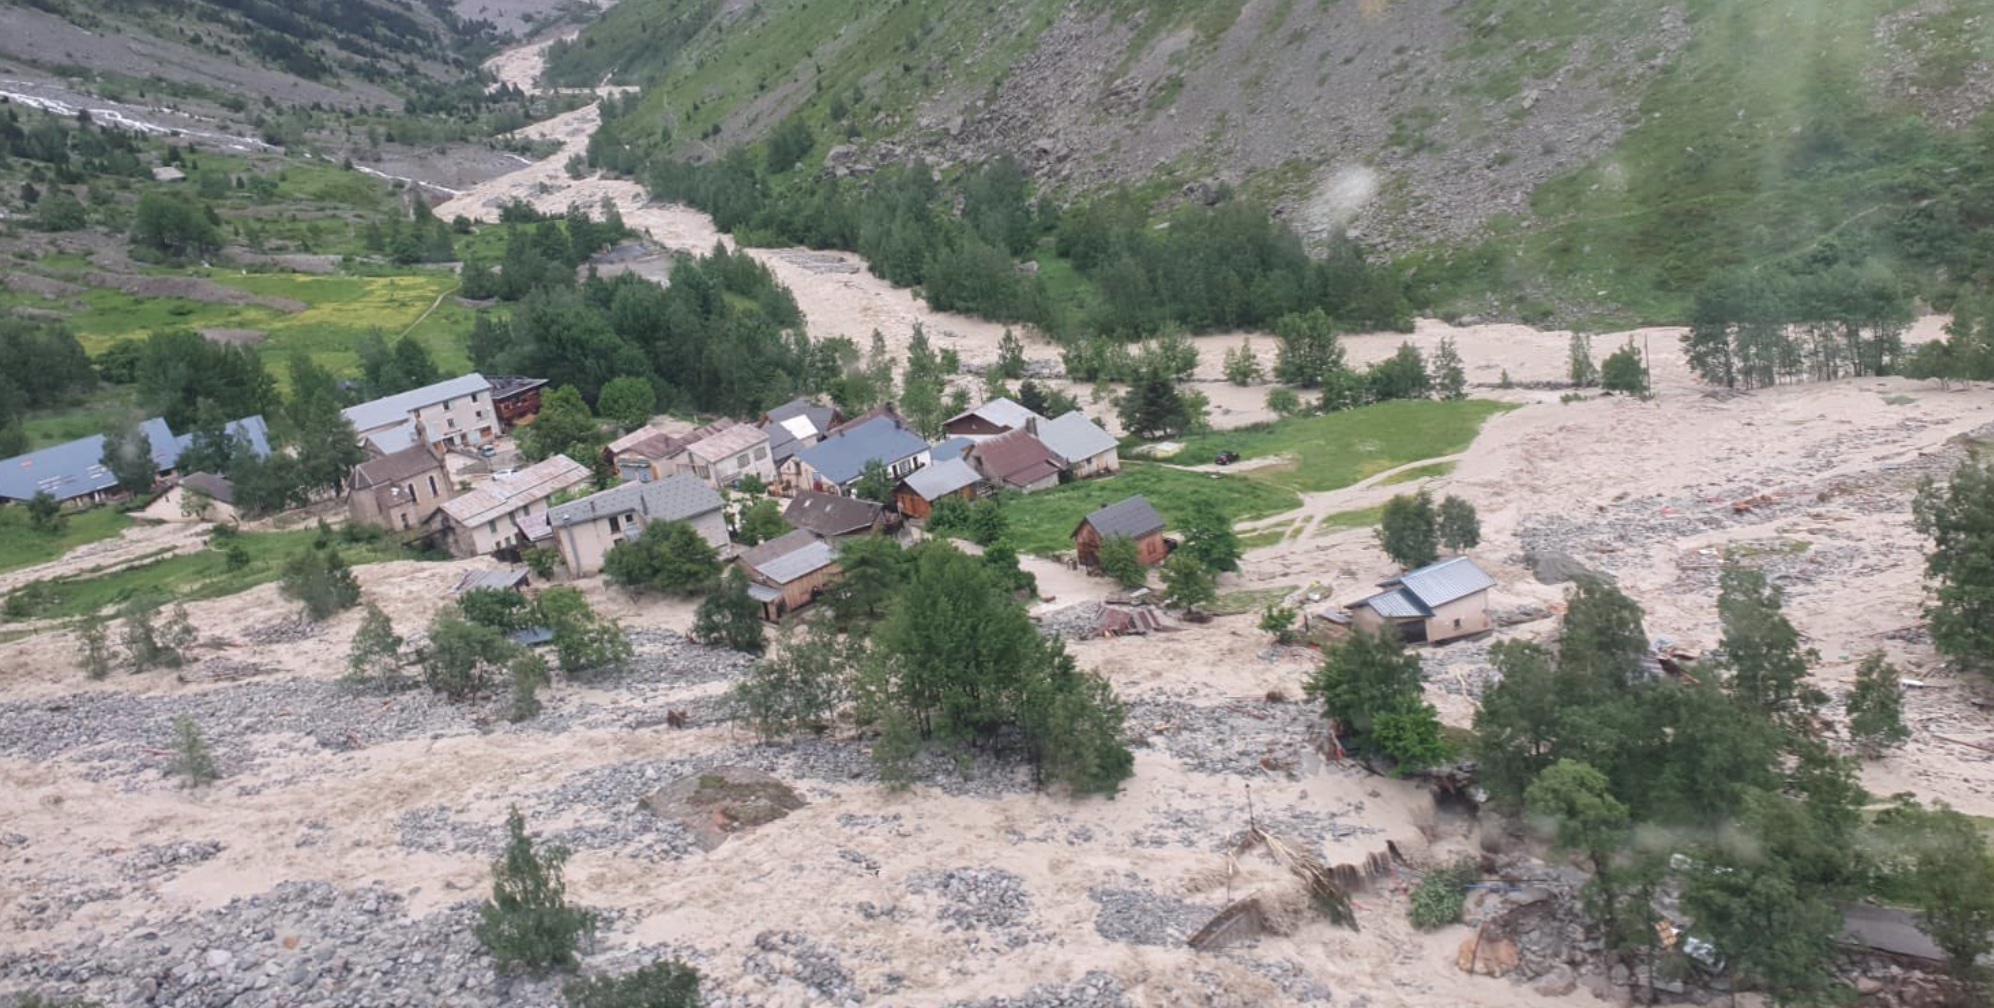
{"points": [[1600, 156], [332, 53]]}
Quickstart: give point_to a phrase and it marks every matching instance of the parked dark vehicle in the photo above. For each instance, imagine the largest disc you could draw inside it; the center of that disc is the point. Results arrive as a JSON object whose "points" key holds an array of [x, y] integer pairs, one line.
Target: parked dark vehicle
{"points": [[1227, 457]]}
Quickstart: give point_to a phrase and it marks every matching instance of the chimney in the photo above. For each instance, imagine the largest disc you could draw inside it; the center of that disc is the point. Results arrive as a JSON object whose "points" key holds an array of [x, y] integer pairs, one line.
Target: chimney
{"points": [[1032, 426]]}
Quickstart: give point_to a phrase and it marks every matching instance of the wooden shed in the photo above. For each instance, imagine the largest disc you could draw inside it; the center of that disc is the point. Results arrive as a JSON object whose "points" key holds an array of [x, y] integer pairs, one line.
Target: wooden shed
{"points": [[1134, 518], [789, 572]]}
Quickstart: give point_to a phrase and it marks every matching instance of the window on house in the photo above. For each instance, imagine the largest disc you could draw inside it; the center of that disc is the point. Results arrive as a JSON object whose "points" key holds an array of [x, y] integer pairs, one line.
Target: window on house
{"points": [[492, 526], [474, 397], [405, 519], [615, 524], [761, 454], [432, 486], [1457, 624], [453, 423], [447, 402]]}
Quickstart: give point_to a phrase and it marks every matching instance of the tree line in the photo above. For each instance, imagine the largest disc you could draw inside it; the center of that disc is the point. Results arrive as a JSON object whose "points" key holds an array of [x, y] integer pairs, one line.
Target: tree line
{"points": [[962, 238], [1754, 329]]}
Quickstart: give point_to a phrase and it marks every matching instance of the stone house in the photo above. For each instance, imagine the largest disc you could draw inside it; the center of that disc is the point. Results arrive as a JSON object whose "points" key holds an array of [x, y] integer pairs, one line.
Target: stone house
{"points": [[586, 530], [399, 492], [457, 413], [496, 516], [727, 456]]}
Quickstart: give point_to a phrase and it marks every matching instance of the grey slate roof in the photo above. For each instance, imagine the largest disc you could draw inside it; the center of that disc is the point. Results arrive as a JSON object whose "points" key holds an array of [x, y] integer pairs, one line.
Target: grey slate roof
{"points": [[392, 409], [945, 477], [786, 558], [842, 457], [676, 498], [784, 439], [490, 580], [1073, 437], [830, 514], [1415, 594], [75, 468], [952, 448], [1134, 517]]}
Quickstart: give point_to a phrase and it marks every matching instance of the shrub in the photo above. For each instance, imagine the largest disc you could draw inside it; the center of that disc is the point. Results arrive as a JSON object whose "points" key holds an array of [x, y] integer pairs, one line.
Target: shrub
{"points": [[1442, 895], [665, 984], [319, 578]]}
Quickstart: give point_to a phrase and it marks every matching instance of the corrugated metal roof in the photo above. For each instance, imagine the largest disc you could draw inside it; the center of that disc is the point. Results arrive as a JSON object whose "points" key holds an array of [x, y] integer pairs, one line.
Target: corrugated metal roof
{"points": [[392, 409], [1396, 604], [675, 498], [1437, 584], [763, 593], [841, 457], [786, 558], [1134, 517], [1073, 437], [941, 479]]}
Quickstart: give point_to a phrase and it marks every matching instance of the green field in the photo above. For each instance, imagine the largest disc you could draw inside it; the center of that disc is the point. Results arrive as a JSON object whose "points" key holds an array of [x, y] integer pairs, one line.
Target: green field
{"points": [[1250, 601], [23, 546], [200, 575], [1334, 450], [340, 310], [1043, 523]]}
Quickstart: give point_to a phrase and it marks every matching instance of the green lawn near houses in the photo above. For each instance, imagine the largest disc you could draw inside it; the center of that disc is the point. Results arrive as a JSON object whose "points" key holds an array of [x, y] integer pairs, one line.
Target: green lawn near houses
{"points": [[200, 575], [1334, 450], [23, 545], [1043, 523]]}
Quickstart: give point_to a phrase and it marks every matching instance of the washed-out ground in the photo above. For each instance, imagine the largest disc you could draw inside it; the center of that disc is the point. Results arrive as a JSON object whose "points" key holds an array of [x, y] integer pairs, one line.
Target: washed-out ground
{"points": [[337, 860]]}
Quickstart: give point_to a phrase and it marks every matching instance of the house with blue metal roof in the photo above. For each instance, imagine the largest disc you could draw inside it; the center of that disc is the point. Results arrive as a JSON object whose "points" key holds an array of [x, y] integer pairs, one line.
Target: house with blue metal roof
{"points": [[74, 472], [1437, 602], [835, 464]]}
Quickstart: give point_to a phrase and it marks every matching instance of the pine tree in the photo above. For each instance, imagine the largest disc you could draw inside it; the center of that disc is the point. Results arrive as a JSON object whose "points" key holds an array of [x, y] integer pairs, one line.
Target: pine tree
{"points": [[128, 456], [528, 921], [730, 617], [375, 656], [1242, 365], [1450, 378], [1409, 530], [627, 400], [192, 760], [1010, 356], [564, 426], [1959, 519], [1940, 856], [45, 512], [1308, 349], [528, 673], [1581, 369], [1153, 407], [1762, 649], [94, 648], [1875, 706], [1458, 527]]}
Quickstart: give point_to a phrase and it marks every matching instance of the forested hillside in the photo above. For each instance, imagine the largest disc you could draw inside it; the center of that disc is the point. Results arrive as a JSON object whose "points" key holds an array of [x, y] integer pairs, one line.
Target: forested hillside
{"points": [[1596, 159]]}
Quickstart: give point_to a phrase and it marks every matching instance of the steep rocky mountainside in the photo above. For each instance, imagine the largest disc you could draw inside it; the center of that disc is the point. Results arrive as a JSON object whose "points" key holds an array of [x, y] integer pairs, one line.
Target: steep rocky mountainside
{"points": [[1584, 130], [330, 53]]}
